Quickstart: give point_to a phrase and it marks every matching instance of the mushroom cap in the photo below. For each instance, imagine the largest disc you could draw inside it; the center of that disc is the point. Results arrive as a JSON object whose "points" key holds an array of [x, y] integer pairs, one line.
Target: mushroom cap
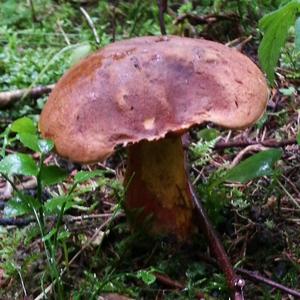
{"points": [[143, 88]]}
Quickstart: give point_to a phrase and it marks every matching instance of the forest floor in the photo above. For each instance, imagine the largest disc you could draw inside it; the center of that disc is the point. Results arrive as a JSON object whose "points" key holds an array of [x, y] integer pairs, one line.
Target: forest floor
{"points": [[95, 251]]}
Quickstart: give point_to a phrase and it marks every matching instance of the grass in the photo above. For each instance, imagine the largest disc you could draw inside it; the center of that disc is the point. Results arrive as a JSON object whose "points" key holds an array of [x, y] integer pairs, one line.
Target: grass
{"points": [[250, 217]]}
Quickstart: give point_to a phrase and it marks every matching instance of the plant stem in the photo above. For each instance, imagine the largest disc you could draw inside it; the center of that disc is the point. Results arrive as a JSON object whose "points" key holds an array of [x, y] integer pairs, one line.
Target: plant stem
{"points": [[60, 216], [234, 282], [162, 9], [39, 195]]}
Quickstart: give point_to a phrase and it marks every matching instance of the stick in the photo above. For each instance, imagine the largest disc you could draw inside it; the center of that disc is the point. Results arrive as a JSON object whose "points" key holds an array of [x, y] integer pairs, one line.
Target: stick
{"points": [[166, 280], [234, 282], [33, 15], [162, 5], [91, 24], [208, 19], [246, 150], [266, 143], [255, 277], [20, 222], [10, 97]]}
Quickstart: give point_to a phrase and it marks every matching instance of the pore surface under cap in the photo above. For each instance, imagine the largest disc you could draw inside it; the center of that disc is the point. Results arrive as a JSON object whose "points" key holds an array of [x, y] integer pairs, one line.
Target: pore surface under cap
{"points": [[143, 88]]}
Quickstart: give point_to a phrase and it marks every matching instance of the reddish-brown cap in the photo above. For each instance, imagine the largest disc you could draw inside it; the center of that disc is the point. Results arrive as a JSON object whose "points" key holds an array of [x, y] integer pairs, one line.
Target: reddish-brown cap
{"points": [[143, 88]]}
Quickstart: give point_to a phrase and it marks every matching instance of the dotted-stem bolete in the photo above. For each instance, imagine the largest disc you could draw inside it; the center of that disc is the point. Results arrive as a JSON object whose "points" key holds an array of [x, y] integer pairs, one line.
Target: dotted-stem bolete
{"points": [[144, 93]]}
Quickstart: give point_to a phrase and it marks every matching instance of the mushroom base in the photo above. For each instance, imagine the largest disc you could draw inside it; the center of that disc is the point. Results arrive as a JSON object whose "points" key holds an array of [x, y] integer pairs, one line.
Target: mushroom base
{"points": [[157, 188]]}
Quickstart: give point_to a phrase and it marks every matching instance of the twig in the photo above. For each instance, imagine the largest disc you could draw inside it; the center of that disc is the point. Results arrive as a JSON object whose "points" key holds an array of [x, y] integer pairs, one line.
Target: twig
{"points": [[166, 280], [20, 222], [246, 150], [6, 192], [239, 43], [16, 222], [162, 5], [63, 33], [91, 24], [208, 19], [10, 97], [266, 143], [255, 277], [288, 194], [113, 22], [234, 282], [33, 15]]}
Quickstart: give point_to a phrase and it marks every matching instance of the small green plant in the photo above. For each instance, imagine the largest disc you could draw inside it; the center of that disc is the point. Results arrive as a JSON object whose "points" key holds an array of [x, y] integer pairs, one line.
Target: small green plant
{"points": [[275, 26], [214, 193], [22, 164]]}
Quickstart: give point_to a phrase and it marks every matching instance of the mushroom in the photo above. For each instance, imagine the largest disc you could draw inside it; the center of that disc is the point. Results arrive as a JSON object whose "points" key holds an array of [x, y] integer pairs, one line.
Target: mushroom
{"points": [[145, 93]]}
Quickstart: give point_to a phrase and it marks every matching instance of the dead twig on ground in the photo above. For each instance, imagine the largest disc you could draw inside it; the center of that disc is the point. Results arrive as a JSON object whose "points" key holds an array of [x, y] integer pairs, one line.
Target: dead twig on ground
{"points": [[246, 150], [91, 24], [166, 280], [244, 143], [255, 277], [6, 192], [194, 19], [21, 222], [235, 283], [162, 5], [7, 98]]}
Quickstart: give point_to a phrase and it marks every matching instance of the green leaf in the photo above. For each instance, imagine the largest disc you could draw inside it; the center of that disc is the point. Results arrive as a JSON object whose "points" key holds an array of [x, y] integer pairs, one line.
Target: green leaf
{"points": [[297, 35], [20, 205], [288, 91], [32, 142], [86, 175], [298, 138], [260, 164], [49, 235], [19, 163], [23, 125], [80, 52], [55, 204], [275, 27], [15, 207], [146, 276], [29, 140], [208, 134], [5, 141], [52, 175], [63, 235], [45, 146]]}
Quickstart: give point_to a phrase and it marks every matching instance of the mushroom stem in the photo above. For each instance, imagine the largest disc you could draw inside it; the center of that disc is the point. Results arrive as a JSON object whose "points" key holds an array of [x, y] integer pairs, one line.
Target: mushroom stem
{"points": [[234, 282], [157, 188]]}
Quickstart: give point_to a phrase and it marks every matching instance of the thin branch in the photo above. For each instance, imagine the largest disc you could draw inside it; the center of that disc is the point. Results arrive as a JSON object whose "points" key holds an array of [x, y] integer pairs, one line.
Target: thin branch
{"points": [[113, 22], [166, 280], [243, 152], [255, 277], [20, 222], [265, 143], [91, 24], [7, 98], [63, 33], [207, 19], [33, 15], [234, 282], [162, 5]]}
